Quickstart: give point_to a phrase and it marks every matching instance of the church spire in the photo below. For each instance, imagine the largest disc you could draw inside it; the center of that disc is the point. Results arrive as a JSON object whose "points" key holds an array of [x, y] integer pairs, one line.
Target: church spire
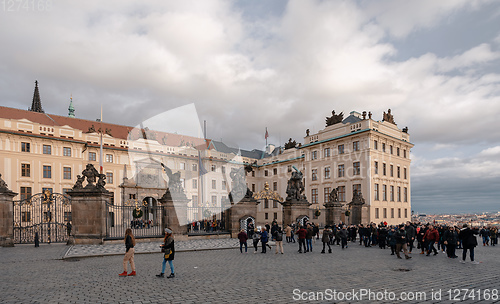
{"points": [[71, 109], [36, 105]]}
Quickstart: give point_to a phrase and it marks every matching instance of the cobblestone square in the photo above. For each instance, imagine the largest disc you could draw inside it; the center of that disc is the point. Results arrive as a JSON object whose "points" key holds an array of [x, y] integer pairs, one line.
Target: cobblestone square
{"points": [[40, 275]]}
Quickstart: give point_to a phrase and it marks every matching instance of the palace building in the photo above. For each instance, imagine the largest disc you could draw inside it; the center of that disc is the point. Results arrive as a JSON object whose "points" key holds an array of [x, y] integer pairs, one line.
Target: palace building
{"points": [[41, 151]]}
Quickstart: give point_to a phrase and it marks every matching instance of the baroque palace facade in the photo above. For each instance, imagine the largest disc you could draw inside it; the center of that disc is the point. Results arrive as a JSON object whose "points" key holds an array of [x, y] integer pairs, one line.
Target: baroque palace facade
{"points": [[40, 151]]}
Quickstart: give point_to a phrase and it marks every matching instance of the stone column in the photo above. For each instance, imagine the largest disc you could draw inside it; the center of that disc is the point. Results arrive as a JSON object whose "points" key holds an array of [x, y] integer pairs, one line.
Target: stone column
{"points": [[333, 213], [6, 217], [246, 207], [293, 209], [174, 212], [355, 217], [89, 213]]}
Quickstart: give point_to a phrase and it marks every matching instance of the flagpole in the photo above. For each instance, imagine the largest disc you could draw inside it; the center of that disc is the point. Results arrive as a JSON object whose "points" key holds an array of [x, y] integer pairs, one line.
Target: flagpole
{"points": [[100, 150]]}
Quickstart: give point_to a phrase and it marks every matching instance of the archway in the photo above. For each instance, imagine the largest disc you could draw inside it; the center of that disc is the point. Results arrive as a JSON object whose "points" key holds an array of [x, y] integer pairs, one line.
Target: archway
{"points": [[303, 219], [151, 213]]}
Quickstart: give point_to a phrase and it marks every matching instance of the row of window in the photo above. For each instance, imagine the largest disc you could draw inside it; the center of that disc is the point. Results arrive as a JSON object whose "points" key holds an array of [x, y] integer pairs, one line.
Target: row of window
{"points": [[275, 216], [391, 149], [391, 170], [384, 213], [47, 149], [47, 172], [393, 196], [356, 147]]}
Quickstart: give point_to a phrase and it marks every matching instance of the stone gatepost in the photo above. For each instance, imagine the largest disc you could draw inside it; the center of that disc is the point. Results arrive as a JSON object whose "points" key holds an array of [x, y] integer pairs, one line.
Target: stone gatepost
{"points": [[175, 212], [6, 215], [293, 209], [88, 207], [247, 206], [356, 205], [333, 214]]}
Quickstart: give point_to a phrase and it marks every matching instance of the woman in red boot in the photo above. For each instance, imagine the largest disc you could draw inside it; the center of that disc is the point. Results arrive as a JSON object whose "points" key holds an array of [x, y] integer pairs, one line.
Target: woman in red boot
{"points": [[129, 255]]}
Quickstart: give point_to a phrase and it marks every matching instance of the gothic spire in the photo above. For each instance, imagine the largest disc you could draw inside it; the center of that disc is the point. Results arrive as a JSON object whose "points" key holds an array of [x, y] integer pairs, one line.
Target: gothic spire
{"points": [[71, 109], [36, 105]]}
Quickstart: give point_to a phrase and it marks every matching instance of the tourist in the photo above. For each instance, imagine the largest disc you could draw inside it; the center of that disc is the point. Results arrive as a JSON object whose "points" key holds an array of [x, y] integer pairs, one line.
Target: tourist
{"points": [[168, 249], [401, 242], [302, 232], [410, 233], [288, 232], [264, 238], [469, 242], [316, 230], [494, 236], [129, 253], [278, 238], [485, 234], [326, 239], [392, 240], [255, 239], [243, 237], [382, 237], [309, 236], [432, 237], [343, 234], [450, 240]]}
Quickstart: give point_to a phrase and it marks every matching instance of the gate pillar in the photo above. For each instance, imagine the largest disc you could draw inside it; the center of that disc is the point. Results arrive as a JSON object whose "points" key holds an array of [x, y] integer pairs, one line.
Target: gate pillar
{"points": [[6, 215]]}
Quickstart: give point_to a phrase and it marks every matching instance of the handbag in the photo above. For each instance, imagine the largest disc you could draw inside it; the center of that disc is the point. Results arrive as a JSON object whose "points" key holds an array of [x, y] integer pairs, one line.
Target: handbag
{"points": [[168, 252]]}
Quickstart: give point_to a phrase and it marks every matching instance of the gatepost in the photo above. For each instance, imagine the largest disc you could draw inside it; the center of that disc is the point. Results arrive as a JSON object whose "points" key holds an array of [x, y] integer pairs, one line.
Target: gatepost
{"points": [[6, 215]]}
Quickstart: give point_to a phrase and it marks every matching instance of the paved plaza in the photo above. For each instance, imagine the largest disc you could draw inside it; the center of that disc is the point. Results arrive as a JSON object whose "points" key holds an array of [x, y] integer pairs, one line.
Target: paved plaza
{"points": [[88, 275]]}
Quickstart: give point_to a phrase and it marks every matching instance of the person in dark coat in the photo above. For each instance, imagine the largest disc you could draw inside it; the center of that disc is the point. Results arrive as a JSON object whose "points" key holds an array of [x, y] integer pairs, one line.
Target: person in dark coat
{"points": [[401, 242], [450, 239], [392, 240], [168, 249], [302, 232], [410, 233], [264, 238], [343, 233], [469, 242], [326, 239], [243, 237]]}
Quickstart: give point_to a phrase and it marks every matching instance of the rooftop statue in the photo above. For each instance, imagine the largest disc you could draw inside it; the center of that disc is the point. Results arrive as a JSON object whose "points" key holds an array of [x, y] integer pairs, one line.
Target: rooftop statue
{"points": [[335, 118], [388, 117], [290, 144]]}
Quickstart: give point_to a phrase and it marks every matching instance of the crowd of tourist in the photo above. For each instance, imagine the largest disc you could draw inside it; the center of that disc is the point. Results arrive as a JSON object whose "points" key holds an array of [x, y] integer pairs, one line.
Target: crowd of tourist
{"points": [[206, 226], [429, 239]]}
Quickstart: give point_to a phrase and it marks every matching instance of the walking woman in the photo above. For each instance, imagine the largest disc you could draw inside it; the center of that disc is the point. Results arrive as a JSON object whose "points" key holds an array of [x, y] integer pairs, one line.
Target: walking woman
{"points": [[169, 253], [129, 254]]}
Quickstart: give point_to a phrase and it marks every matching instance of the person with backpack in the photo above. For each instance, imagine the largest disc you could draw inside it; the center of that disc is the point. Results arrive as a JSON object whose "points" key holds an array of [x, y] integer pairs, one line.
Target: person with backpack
{"points": [[278, 238]]}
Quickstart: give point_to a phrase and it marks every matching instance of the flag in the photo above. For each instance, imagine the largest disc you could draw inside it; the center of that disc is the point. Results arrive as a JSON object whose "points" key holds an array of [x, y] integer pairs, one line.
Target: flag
{"points": [[267, 134]]}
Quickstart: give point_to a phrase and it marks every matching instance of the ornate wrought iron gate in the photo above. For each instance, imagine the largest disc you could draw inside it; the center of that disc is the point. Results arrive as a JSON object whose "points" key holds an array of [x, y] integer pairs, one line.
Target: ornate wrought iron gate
{"points": [[45, 215], [144, 220]]}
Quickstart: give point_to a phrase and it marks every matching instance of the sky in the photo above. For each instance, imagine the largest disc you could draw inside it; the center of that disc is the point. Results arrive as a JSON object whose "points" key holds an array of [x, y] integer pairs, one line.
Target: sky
{"points": [[284, 65]]}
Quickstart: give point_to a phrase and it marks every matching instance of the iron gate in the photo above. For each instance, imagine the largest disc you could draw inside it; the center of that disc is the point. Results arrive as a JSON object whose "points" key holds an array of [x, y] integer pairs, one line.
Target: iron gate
{"points": [[144, 220], [45, 215]]}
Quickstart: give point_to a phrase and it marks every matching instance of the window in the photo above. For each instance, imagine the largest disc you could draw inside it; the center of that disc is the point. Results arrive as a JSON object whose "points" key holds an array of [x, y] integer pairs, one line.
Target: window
{"points": [[47, 149], [195, 183], [327, 152], [341, 171], [182, 166], [194, 199], [266, 216], [47, 189], [25, 147], [314, 196], [341, 193], [327, 172], [275, 204], [289, 168], [390, 149], [392, 212], [253, 187], [383, 147], [253, 173], [399, 194], [47, 172], [109, 158], [404, 173], [314, 174], [376, 213], [376, 192], [341, 149], [275, 171], [194, 167], [399, 172], [214, 200], [275, 215], [384, 169], [66, 172], [25, 192], [375, 145], [355, 146], [392, 193], [66, 190], [326, 195], [275, 186], [385, 212], [66, 151], [223, 185], [214, 184], [356, 188], [25, 170], [397, 151], [131, 196], [404, 153], [223, 169], [357, 168], [314, 155], [384, 192], [92, 156], [391, 170], [266, 204], [399, 212], [406, 212], [109, 177], [376, 167], [405, 194], [212, 168]]}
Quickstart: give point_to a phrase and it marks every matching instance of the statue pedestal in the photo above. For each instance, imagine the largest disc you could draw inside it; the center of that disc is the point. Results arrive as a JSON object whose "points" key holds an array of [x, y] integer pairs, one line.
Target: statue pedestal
{"points": [[293, 209], [175, 212], [6, 218], [333, 214], [244, 208], [88, 214], [355, 218]]}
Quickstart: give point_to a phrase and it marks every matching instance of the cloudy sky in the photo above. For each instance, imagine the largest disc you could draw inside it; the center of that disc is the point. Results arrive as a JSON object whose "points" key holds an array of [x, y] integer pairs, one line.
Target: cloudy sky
{"points": [[285, 65]]}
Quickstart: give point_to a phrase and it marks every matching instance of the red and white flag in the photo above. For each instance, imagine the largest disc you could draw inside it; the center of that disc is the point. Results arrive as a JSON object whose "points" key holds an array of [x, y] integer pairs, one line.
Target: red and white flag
{"points": [[267, 134]]}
